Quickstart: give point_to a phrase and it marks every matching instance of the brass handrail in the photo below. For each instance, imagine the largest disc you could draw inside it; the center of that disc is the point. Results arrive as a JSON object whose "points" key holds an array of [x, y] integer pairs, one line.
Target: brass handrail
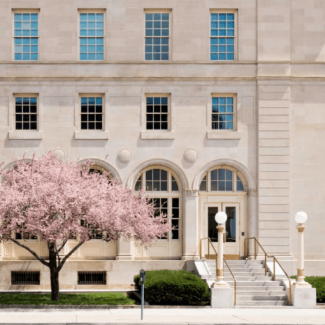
{"points": [[265, 260], [224, 260]]}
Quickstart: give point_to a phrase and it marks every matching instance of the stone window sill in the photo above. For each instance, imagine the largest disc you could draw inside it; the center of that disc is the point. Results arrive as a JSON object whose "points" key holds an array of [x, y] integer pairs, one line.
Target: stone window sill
{"points": [[157, 135], [91, 135], [224, 135], [25, 135]]}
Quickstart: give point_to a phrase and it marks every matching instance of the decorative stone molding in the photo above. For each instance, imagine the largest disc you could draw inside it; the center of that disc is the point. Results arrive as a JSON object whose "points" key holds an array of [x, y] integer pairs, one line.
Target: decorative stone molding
{"points": [[59, 153], [25, 135], [91, 135], [191, 155], [228, 162], [105, 165], [157, 135], [223, 135], [124, 156], [158, 162]]}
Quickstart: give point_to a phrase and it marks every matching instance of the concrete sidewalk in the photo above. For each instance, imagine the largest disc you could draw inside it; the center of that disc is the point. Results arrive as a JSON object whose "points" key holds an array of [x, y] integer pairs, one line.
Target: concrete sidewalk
{"points": [[164, 316]]}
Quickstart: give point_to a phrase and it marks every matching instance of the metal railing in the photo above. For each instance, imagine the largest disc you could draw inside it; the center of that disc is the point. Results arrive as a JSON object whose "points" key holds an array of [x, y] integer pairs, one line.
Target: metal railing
{"points": [[224, 260], [256, 242]]}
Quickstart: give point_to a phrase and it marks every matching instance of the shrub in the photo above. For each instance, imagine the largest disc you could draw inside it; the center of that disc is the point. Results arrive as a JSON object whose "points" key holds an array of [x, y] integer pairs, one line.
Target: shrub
{"points": [[317, 282], [167, 287]]}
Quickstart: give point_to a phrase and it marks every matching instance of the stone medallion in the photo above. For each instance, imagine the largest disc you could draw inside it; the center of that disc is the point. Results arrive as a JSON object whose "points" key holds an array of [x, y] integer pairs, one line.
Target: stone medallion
{"points": [[191, 155], [124, 156]]}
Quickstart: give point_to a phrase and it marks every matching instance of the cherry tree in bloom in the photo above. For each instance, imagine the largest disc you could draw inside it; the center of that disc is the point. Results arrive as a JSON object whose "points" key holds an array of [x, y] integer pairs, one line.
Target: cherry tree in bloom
{"points": [[56, 201]]}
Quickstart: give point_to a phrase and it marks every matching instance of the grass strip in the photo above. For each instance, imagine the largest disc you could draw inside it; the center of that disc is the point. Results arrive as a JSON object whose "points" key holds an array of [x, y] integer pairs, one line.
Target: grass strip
{"points": [[100, 298]]}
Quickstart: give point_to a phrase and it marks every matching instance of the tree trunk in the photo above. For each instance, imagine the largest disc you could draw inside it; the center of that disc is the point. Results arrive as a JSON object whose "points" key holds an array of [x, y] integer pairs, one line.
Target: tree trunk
{"points": [[54, 273], [54, 285]]}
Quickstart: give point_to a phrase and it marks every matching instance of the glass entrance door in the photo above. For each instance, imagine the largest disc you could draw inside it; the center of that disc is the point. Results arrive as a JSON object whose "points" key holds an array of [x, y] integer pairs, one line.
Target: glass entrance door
{"points": [[231, 246]]}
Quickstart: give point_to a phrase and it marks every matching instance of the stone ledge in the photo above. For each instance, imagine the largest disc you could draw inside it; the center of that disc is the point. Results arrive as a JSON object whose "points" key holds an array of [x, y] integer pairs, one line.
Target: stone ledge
{"points": [[91, 135], [25, 135], [223, 135], [157, 135]]}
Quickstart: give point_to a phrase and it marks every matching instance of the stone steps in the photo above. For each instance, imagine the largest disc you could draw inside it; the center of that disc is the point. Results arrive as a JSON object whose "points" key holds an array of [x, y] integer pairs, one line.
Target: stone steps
{"points": [[254, 288]]}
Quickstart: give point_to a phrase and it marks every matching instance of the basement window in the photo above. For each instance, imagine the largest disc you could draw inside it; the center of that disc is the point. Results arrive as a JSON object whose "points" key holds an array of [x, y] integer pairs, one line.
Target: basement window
{"points": [[91, 277], [25, 277]]}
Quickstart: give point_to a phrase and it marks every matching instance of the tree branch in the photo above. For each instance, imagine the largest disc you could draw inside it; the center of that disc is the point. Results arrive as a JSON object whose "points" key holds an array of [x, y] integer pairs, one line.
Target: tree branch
{"points": [[69, 254], [31, 251], [64, 242]]}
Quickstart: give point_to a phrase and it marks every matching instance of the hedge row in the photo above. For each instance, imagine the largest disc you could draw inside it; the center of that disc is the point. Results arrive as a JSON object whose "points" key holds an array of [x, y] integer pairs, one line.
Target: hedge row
{"points": [[167, 287]]}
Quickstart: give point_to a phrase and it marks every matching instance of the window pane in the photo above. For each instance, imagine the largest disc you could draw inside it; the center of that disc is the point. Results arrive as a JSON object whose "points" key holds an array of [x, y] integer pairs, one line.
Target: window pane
{"points": [[240, 186], [212, 224], [231, 224]]}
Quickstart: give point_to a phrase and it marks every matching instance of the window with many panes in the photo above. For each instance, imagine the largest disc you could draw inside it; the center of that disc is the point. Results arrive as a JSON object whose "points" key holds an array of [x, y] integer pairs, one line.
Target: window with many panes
{"points": [[26, 113], [157, 33], [162, 187], [222, 180], [91, 36], [223, 116], [157, 112], [26, 36], [91, 113], [222, 36]]}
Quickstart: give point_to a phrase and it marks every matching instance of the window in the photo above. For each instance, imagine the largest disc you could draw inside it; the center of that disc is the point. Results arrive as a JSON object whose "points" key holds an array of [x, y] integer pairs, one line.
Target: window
{"points": [[222, 113], [26, 113], [157, 36], [93, 232], [91, 36], [25, 277], [91, 113], [92, 277], [222, 180], [26, 36], [157, 113], [222, 38], [162, 186]]}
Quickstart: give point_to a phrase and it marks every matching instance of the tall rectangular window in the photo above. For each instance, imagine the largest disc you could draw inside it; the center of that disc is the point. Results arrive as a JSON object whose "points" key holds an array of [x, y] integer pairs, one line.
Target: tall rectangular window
{"points": [[91, 113], [222, 113], [26, 113], [222, 38], [157, 113], [157, 37], [91, 36], [26, 36]]}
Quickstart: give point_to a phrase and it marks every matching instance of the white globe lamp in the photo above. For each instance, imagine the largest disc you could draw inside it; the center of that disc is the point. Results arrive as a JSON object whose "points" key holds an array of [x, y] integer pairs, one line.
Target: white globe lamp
{"points": [[301, 217], [221, 217]]}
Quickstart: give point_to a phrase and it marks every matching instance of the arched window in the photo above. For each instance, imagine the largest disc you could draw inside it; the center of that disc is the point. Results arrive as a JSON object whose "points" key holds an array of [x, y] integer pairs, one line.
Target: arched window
{"points": [[100, 170], [163, 188], [223, 179]]}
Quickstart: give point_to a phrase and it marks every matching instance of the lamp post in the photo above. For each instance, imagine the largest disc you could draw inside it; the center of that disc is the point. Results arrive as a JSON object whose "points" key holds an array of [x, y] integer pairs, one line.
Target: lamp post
{"points": [[301, 217], [220, 218]]}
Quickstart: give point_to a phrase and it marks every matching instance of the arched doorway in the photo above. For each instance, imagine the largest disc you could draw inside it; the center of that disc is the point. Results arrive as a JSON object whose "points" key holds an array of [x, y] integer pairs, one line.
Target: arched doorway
{"points": [[164, 188], [223, 188]]}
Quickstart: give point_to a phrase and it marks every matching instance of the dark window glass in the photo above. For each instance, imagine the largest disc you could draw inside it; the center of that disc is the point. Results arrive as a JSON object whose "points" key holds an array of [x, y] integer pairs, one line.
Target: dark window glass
{"points": [[92, 113]]}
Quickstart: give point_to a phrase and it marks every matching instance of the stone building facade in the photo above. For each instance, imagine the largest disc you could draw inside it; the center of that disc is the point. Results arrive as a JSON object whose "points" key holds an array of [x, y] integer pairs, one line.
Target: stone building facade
{"points": [[211, 105]]}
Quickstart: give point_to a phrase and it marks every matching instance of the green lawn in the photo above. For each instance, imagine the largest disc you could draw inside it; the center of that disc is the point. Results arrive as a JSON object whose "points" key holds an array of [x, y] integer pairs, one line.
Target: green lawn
{"points": [[103, 298]]}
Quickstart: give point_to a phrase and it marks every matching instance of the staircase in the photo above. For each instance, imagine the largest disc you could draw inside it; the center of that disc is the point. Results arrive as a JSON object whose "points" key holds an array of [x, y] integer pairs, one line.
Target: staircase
{"points": [[253, 287]]}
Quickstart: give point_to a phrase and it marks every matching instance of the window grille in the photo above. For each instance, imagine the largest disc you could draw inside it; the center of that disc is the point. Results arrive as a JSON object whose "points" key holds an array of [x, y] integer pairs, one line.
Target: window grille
{"points": [[157, 36], [157, 113], [26, 113], [92, 277], [25, 277], [222, 37], [92, 36], [91, 113], [26, 36]]}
